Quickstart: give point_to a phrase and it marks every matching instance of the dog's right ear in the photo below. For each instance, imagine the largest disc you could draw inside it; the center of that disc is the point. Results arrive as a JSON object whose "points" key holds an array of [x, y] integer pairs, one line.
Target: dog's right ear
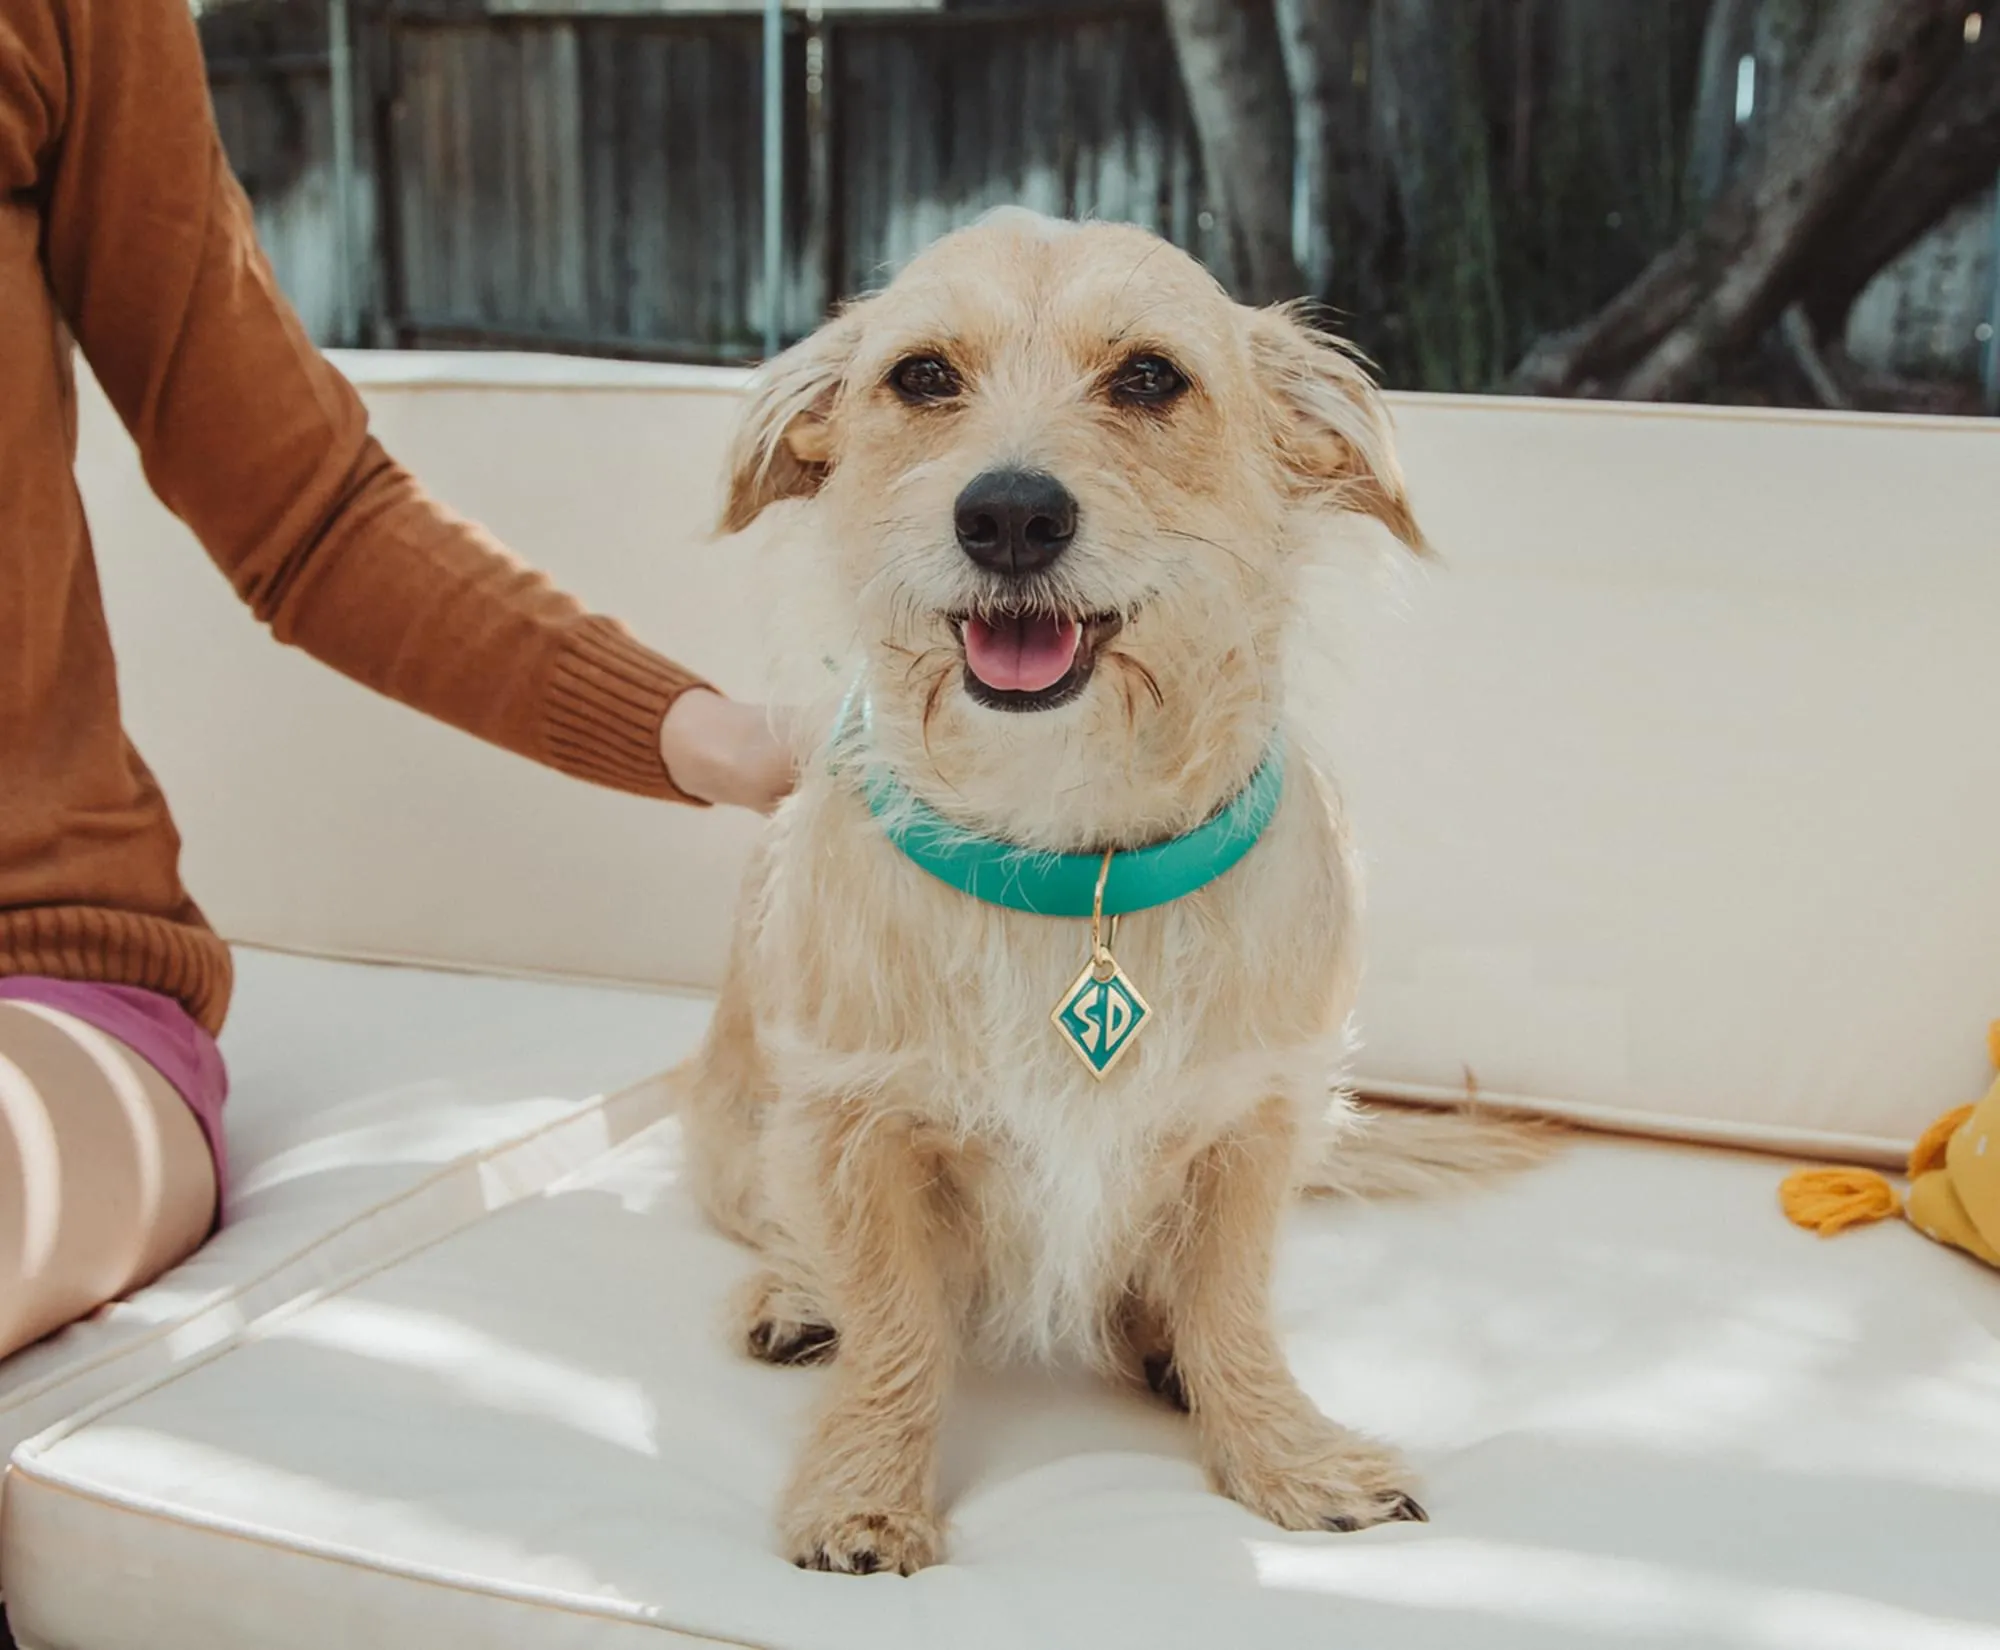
{"points": [[1334, 429], [782, 447]]}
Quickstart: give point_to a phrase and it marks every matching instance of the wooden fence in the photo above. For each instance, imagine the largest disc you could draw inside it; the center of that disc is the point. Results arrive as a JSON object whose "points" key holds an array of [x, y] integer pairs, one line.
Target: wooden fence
{"points": [[586, 175], [595, 183]]}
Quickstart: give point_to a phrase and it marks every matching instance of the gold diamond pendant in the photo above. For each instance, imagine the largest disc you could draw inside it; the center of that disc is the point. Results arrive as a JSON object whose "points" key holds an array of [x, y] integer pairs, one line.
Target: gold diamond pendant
{"points": [[1102, 1013]]}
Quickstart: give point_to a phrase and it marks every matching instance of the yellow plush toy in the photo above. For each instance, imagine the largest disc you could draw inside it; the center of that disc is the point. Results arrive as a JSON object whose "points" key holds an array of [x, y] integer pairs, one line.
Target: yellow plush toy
{"points": [[1954, 1182]]}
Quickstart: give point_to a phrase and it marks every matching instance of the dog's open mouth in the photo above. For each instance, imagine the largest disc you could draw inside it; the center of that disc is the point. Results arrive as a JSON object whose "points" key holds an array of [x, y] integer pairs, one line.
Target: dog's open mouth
{"points": [[1030, 661]]}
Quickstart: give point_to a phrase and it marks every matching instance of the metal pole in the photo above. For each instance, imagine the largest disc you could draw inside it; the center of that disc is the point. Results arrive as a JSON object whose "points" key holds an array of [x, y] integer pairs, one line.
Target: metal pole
{"points": [[774, 174], [340, 65]]}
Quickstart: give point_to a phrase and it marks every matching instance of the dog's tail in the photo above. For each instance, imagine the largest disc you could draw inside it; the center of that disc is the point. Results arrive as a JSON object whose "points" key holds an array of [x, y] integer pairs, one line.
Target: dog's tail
{"points": [[1412, 1151]]}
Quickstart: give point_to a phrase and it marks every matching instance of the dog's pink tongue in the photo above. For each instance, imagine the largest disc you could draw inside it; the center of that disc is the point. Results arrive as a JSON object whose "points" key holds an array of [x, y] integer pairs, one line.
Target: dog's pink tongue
{"points": [[1021, 655]]}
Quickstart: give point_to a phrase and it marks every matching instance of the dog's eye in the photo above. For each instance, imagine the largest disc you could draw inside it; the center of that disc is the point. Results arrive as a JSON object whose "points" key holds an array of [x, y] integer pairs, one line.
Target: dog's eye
{"points": [[1148, 381], [921, 378]]}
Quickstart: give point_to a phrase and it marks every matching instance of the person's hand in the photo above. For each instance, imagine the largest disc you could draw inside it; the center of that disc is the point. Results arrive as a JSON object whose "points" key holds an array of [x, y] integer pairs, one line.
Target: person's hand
{"points": [[721, 751]]}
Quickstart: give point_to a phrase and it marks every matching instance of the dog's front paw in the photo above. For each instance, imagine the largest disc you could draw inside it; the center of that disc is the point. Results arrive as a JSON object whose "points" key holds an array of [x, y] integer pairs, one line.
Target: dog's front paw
{"points": [[862, 1541], [1342, 1482]]}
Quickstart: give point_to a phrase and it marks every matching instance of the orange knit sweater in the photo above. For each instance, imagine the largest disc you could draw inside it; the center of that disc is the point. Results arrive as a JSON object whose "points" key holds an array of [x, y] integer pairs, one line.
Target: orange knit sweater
{"points": [[121, 226]]}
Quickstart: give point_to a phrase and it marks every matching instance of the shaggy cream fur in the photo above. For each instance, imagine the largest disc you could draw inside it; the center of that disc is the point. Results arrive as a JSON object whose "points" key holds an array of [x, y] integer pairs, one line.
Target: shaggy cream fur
{"points": [[882, 1108]]}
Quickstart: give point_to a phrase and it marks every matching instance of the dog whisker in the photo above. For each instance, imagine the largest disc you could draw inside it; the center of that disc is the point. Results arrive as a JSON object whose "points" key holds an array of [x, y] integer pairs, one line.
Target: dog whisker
{"points": [[930, 710], [1185, 537], [1125, 695], [1133, 274], [1137, 667]]}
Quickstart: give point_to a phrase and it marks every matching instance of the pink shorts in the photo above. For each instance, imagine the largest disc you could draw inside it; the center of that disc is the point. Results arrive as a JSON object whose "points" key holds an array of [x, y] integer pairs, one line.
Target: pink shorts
{"points": [[158, 1030]]}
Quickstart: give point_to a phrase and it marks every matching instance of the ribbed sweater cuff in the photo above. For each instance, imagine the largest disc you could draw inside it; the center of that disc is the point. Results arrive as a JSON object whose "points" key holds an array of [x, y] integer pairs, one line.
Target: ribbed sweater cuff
{"points": [[607, 698]]}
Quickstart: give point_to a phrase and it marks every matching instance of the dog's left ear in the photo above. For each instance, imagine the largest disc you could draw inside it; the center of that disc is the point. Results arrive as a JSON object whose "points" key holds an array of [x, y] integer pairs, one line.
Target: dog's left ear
{"points": [[782, 447], [1334, 433]]}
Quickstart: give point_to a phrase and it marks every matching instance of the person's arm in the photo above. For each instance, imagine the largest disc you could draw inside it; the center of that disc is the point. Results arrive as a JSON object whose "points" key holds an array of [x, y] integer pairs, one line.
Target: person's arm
{"points": [[252, 437]]}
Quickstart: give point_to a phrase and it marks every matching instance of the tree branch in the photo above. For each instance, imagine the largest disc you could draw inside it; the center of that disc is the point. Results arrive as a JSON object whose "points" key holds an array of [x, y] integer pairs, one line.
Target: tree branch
{"points": [[1953, 152], [1867, 76]]}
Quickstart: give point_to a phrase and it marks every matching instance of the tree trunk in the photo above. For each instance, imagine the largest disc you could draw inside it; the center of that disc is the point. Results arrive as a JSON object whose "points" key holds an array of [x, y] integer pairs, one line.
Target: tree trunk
{"points": [[1431, 79], [1953, 152], [1415, 119], [1234, 71], [1326, 58], [1868, 75]]}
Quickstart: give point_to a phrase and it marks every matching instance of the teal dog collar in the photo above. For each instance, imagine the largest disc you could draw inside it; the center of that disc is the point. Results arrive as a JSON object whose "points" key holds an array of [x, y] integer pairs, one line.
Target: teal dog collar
{"points": [[1066, 885]]}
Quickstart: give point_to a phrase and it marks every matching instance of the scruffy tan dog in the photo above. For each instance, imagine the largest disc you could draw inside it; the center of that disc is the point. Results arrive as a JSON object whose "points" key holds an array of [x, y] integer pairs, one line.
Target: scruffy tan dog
{"points": [[1067, 487]]}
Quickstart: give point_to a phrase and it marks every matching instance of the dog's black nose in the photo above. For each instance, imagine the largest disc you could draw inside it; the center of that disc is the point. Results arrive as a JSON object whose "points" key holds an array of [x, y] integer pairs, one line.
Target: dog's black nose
{"points": [[1015, 522]]}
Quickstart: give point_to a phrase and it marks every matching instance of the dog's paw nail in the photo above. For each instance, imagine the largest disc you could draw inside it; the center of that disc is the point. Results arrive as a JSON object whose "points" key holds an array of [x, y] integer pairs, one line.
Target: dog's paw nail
{"points": [[792, 1344], [858, 1563], [1341, 1525], [1165, 1379], [872, 1543], [1409, 1510]]}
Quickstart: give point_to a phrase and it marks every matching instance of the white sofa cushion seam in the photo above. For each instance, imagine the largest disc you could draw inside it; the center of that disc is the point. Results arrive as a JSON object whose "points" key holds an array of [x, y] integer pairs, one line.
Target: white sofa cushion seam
{"points": [[326, 1553], [457, 1166]]}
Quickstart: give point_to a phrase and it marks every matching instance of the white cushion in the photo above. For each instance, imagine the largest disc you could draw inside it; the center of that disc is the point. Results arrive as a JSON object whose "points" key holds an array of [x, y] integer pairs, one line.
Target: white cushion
{"points": [[1650, 1413], [1672, 779], [372, 1110]]}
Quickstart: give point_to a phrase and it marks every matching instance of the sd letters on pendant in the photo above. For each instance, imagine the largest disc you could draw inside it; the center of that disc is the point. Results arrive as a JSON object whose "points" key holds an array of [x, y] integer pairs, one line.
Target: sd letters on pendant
{"points": [[1102, 1013]]}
